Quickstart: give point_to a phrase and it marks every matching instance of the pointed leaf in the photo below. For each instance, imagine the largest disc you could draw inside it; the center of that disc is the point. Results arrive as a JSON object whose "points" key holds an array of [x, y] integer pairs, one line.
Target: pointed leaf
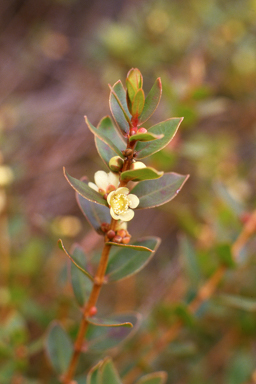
{"points": [[147, 173], [118, 106], [151, 102], [93, 376], [84, 190], [76, 263], [153, 378], [59, 348], [153, 193], [168, 128], [109, 374], [125, 262], [137, 104], [103, 338], [131, 246], [100, 322], [103, 136], [131, 91], [148, 136], [96, 214], [135, 77], [82, 286]]}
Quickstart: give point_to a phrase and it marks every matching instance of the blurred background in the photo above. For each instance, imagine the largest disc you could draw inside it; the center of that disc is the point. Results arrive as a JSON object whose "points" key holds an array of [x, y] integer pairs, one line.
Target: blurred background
{"points": [[57, 58]]}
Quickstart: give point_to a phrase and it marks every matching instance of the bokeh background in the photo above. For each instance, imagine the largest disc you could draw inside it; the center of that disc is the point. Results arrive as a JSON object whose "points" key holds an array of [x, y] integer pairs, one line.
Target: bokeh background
{"points": [[56, 59]]}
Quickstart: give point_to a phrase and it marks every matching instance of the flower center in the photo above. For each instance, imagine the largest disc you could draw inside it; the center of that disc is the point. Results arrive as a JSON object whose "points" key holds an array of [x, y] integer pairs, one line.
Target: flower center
{"points": [[119, 203]]}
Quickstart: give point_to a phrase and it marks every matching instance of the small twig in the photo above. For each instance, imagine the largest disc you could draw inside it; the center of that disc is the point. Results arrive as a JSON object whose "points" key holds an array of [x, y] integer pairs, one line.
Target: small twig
{"points": [[204, 293]]}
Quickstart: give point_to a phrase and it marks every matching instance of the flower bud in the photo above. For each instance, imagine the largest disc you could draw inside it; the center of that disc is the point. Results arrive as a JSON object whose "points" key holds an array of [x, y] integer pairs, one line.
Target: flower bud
{"points": [[92, 311], [126, 240], [116, 163], [142, 130], [138, 165], [122, 232], [117, 239], [111, 234], [105, 227]]}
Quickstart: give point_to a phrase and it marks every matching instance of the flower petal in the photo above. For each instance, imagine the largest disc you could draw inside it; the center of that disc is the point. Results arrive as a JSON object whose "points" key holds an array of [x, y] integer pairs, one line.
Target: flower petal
{"points": [[113, 179], [93, 186], [110, 196], [127, 216], [133, 201], [101, 180], [122, 190], [112, 213]]}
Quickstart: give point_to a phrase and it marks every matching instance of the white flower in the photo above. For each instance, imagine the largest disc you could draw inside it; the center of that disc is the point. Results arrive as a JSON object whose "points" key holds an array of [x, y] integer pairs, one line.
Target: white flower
{"points": [[120, 202], [104, 182]]}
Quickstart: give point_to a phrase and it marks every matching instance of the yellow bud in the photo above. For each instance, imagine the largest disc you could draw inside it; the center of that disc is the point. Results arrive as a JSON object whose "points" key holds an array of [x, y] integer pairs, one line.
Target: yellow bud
{"points": [[116, 163], [138, 165]]}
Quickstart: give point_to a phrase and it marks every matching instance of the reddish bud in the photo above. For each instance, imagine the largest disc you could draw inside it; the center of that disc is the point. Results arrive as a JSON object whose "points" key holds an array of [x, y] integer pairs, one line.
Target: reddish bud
{"points": [[92, 311], [105, 227], [133, 132], [110, 188], [126, 240], [127, 152], [142, 130], [117, 239], [111, 234], [122, 232]]}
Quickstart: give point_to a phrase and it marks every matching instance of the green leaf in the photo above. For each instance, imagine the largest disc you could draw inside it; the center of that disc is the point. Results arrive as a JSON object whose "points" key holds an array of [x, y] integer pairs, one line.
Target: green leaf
{"points": [[153, 378], [84, 190], [151, 102], [224, 253], [103, 338], [95, 214], [135, 77], [137, 104], [103, 136], [189, 261], [118, 107], [125, 262], [147, 173], [109, 374], [168, 128], [131, 246], [148, 136], [239, 302], [59, 348], [153, 193], [100, 322], [82, 286], [106, 127], [131, 91], [76, 263], [93, 376]]}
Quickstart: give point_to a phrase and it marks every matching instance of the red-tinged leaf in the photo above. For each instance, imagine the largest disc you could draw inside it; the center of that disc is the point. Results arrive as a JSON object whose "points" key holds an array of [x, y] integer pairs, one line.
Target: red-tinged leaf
{"points": [[118, 107], [137, 104], [84, 190], [140, 174], [76, 263], [153, 193], [126, 261], [153, 378], [103, 338], [106, 153], [107, 128], [100, 322], [93, 376], [131, 246], [148, 136], [96, 214], [168, 128], [151, 102], [103, 136]]}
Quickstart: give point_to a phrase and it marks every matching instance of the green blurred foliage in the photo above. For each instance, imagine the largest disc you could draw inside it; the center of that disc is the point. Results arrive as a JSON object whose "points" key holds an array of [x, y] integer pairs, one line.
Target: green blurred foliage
{"points": [[205, 53]]}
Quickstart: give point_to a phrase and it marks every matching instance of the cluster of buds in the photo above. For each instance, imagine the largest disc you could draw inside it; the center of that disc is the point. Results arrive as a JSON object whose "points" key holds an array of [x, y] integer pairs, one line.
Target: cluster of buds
{"points": [[120, 235]]}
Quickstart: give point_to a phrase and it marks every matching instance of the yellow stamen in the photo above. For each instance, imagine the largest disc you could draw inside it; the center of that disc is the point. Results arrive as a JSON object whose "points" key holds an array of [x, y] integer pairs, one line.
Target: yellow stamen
{"points": [[119, 203]]}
